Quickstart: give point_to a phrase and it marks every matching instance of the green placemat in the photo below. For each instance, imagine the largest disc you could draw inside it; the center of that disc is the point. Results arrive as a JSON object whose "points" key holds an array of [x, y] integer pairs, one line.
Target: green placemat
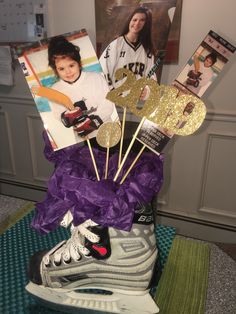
{"points": [[12, 218], [183, 285]]}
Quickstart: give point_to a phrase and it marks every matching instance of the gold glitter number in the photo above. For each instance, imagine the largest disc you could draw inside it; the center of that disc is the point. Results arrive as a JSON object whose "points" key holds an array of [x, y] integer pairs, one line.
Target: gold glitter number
{"points": [[167, 95], [151, 104], [119, 95], [128, 94], [182, 114], [186, 115]]}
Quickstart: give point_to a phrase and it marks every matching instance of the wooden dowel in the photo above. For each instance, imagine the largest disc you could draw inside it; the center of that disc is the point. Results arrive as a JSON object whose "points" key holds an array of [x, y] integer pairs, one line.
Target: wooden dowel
{"points": [[133, 163], [122, 136], [93, 159], [129, 148], [107, 162]]}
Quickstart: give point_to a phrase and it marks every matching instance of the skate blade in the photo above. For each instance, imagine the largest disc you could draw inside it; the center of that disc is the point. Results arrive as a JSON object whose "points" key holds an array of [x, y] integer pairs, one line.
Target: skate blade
{"points": [[119, 301]]}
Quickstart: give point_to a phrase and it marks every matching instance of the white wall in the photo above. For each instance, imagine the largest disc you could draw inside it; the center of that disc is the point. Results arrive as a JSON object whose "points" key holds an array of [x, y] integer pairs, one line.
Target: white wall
{"points": [[70, 15]]}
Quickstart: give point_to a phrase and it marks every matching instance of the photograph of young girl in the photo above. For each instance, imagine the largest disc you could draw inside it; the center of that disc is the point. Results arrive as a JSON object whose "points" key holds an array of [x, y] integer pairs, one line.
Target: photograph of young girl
{"points": [[200, 71], [205, 65], [69, 88]]}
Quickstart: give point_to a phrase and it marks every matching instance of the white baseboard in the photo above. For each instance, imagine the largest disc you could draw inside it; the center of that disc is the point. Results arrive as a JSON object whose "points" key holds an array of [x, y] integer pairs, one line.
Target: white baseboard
{"points": [[21, 190], [198, 229]]}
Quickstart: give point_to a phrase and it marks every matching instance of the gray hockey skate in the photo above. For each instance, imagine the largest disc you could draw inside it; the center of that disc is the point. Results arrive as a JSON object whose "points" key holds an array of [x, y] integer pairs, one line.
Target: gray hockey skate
{"points": [[99, 269]]}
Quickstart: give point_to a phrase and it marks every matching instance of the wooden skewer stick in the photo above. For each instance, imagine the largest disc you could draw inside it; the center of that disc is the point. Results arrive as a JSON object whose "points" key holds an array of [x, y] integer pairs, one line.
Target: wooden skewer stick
{"points": [[129, 148], [107, 162], [122, 136], [133, 163], [93, 159]]}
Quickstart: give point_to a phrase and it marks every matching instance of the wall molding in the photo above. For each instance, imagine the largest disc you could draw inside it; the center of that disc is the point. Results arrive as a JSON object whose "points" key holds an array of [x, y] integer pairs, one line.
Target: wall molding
{"points": [[224, 116], [30, 125], [195, 220], [218, 212], [213, 211], [197, 228], [17, 100], [11, 149], [221, 116]]}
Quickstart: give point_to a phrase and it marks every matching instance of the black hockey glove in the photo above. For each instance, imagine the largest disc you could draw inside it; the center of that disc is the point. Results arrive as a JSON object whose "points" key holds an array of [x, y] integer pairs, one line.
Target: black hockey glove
{"points": [[91, 124], [193, 78], [73, 117]]}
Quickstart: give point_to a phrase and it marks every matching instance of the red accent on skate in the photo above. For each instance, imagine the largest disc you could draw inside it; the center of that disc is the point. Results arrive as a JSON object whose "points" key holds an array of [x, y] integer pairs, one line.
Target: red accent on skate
{"points": [[101, 250]]}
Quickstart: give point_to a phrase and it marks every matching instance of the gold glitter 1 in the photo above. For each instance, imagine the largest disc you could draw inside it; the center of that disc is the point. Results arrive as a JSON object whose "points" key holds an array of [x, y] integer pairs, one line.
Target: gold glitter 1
{"points": [[109, 134]]}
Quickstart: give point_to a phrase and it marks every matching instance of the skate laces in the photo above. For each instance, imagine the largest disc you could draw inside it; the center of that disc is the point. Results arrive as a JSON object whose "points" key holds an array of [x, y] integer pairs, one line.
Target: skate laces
{"points": [[74, 246]]}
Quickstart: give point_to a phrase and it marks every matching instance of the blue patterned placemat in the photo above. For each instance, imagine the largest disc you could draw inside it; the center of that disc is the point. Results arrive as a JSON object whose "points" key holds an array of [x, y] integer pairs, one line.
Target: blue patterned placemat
{"points": [[20, 242]]}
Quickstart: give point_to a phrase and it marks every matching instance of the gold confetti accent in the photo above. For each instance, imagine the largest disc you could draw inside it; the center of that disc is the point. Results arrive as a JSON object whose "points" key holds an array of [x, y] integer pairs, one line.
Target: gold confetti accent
{"points": [[109, 134]]}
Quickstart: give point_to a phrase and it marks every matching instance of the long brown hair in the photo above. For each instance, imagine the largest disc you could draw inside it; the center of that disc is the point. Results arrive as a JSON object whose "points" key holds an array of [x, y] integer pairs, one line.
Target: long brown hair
{"points": [[145, 35]]}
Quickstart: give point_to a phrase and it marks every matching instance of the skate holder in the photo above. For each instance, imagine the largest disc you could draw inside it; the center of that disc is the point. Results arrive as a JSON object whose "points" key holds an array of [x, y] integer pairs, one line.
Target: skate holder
{"points": [[119, 301]]}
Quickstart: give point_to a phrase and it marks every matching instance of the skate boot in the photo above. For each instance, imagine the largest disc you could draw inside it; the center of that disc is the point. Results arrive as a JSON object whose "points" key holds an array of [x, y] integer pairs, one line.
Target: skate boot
{"points": [[99, 268]]}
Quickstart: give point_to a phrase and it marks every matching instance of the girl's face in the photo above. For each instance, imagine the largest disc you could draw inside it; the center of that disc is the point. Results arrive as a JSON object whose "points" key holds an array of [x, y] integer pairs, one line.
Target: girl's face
{"points": [[137, 23], [67, 69], [208, 62]]}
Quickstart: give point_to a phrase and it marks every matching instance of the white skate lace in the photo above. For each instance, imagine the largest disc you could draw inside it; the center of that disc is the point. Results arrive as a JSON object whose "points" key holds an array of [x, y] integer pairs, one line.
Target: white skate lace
{"points": [[73, 247], [67, 219]]}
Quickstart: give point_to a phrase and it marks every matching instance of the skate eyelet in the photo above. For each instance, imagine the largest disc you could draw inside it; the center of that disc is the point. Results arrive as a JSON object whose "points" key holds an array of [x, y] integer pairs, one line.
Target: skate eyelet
{"points": [[57, 263], [67, 261]]}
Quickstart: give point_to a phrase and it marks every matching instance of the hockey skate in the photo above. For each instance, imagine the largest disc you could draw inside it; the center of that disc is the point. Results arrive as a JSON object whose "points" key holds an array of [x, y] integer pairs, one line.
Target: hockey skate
{"points": [[99, 269]]}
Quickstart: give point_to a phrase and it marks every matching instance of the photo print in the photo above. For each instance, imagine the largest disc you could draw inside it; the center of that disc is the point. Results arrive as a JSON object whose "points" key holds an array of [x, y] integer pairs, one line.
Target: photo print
{"points": [[68, 87]]}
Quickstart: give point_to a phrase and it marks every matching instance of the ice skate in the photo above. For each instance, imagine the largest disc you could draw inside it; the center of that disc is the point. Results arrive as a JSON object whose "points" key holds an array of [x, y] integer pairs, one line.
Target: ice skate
{"points": [[99, 268]]}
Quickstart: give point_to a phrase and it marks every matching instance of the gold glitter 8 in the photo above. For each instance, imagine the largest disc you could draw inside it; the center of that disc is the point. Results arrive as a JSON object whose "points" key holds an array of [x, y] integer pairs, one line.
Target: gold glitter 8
{"points": [[186, 115]]}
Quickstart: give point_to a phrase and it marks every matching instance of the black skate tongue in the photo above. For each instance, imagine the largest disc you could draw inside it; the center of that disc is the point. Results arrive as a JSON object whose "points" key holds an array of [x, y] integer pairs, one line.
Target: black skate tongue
{"points": [[101, 249], [143, 214]]}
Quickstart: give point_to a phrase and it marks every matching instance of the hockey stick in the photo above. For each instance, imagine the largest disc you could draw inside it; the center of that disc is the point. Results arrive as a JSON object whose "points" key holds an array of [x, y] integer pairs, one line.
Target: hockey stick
{"points": [[53, 95]]}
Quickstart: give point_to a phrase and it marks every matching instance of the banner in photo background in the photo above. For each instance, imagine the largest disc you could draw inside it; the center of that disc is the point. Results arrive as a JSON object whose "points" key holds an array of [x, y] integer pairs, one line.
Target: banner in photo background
{"points": [[195, 78]]}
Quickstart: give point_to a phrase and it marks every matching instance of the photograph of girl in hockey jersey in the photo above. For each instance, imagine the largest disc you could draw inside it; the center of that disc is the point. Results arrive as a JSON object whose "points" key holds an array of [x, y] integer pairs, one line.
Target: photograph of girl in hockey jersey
{"points": [[198, 74], [133, 49], [87, 90]]}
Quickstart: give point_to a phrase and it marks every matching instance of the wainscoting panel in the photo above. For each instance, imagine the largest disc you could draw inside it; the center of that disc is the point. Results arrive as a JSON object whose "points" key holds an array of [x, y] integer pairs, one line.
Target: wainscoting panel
{"points": [[218, 195], [7, 161], [40, 166], [200, 176]]}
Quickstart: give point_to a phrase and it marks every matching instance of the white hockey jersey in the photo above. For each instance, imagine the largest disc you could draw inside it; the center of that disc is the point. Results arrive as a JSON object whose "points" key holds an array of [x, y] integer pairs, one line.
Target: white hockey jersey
{"points": [[121, 53], [90, 87]]}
